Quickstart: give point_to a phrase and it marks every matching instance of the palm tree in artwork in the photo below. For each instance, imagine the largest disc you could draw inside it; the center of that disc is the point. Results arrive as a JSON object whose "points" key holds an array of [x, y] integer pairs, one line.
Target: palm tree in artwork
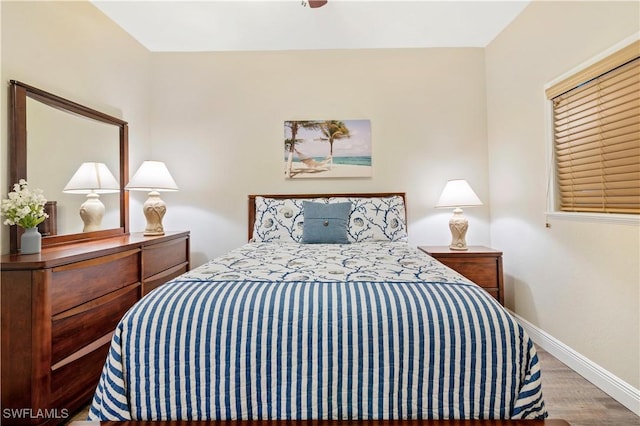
{"points": [[290, 143], [333, 130]]}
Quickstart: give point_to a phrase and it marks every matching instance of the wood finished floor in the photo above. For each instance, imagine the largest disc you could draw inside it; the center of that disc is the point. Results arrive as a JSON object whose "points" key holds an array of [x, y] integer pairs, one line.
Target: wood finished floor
{"points": [[571, 397], [568, 396]]}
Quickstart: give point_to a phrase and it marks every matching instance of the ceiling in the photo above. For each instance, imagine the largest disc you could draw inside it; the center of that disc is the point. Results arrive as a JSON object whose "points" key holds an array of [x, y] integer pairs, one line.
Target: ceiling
{"points": [[241, 25]]}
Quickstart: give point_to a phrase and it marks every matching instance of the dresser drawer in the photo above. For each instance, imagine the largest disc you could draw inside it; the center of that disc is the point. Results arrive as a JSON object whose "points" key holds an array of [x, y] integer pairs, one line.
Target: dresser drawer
{"points": [[76, 328], [73, 384], [157, 258], [80, 282], [160, 279], [481, 270]]}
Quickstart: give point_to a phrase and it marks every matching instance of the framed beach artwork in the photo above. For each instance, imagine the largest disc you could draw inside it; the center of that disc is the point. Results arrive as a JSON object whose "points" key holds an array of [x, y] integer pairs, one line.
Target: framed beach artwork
{"points": [[327, 149]]}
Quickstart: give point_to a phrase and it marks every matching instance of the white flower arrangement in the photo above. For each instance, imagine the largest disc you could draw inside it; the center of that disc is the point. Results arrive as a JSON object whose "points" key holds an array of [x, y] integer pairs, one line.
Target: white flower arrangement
{"points": [[24, 207]]}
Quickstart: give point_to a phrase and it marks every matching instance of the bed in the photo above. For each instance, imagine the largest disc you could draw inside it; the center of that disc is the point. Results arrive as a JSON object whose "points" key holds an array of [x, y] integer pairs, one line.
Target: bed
{"points": [[326, 313]]}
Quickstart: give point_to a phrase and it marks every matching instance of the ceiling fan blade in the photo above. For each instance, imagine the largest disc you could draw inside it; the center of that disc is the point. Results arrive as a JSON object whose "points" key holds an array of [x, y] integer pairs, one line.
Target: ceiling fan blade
{"points": [[317, 3]]}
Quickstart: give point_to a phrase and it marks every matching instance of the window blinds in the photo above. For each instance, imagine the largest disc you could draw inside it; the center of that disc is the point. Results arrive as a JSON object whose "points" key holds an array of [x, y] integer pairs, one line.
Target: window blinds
{"points": [[597, 138]]}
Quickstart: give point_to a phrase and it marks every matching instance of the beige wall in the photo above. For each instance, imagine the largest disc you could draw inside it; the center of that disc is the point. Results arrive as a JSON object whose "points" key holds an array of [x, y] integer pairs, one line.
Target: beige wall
{"points": [[216, 119], [579, 280], [218, 122], [73, 50]]}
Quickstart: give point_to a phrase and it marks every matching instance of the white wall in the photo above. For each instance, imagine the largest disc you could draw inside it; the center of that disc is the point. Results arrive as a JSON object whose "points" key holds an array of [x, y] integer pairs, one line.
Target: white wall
{"points": [[578, 280], [218, 123], [73, 50]]}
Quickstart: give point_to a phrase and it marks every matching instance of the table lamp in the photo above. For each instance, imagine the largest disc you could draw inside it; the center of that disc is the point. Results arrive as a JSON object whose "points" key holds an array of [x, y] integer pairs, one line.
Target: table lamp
{"points": [[153, 176], [457, 193], [92, 179]]}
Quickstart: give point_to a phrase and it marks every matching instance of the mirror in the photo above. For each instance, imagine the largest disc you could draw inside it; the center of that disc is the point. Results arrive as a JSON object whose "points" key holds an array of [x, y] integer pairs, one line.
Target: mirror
{"points": [[49, 138]]}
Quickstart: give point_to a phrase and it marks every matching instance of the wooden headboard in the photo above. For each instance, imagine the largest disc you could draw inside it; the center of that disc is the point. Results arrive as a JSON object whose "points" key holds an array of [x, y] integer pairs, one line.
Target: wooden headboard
{"points": [[252, 201]]}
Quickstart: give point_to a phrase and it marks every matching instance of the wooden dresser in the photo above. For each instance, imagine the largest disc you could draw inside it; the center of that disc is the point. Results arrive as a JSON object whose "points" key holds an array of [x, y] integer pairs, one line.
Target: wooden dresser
{"points": [[59, 310]]}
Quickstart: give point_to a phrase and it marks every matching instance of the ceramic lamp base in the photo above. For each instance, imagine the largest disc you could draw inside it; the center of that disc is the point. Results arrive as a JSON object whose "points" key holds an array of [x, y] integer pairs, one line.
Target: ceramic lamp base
{"points": [[91, 212], [154, 209], [458, 224]]}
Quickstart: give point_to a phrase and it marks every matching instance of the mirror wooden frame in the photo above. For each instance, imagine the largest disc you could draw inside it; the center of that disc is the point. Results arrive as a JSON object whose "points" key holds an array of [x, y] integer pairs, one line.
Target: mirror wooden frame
{"points": [[18, 94]]}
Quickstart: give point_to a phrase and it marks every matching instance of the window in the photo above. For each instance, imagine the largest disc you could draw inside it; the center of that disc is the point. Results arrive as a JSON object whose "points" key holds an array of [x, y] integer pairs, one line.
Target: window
{"points": [[596, 132]]}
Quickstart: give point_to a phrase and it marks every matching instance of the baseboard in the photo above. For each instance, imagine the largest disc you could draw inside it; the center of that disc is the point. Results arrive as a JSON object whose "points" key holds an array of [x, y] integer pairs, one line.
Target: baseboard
{"points": [[615, 387]]}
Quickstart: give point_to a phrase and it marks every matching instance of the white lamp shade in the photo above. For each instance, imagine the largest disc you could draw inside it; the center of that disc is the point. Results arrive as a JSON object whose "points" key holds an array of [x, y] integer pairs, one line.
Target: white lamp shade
{"points": [[152, 176], [92, 178], [458, 193]]}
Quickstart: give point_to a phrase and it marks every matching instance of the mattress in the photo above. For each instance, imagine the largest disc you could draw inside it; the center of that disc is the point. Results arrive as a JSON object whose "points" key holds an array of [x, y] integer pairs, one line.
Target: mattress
{"points": [[375, 330]]}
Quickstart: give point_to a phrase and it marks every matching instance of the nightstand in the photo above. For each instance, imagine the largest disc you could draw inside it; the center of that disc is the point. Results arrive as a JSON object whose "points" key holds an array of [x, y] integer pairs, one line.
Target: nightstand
{"points": [[482, 265]]}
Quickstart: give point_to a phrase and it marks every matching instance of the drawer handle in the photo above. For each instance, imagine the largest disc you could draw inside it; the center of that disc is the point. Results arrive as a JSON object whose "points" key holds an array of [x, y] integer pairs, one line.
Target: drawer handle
{"points": [[93, 303], [96, 261], [84, 351]]}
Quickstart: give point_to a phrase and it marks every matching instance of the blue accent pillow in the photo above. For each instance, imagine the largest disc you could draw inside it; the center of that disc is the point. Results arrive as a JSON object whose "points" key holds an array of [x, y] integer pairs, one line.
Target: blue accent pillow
{"points": [[325, 223]]}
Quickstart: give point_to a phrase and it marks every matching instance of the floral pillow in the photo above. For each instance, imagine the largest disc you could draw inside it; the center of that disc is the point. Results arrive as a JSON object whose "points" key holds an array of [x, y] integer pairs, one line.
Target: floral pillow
{"points": [[376, 218], [279, 219]]}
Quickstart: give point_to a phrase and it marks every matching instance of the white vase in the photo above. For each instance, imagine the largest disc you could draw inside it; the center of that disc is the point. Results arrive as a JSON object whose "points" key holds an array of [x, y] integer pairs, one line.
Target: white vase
{"points": [[30, 241]]}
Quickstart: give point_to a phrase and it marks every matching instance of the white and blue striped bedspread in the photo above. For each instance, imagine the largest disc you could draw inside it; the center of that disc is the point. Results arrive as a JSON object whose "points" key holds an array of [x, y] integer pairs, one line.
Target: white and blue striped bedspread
{"points": [[205, 347]]}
